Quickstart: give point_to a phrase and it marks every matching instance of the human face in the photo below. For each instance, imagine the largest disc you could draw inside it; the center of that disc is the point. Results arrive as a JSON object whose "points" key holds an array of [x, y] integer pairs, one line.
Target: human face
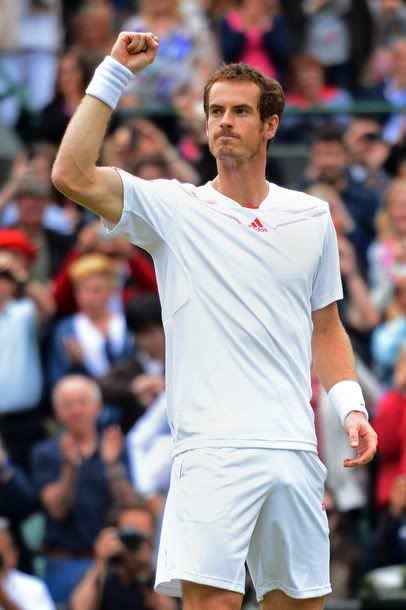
{"points": [[31, 210], [151, 341], [77, 408], [310, 82], [328, 160], [93, 294], [70, 78], [140, 520], [235, 131]]}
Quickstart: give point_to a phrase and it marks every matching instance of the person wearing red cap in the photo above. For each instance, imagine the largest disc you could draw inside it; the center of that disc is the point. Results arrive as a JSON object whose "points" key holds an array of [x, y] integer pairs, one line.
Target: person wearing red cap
{"points": [[19, 244]]}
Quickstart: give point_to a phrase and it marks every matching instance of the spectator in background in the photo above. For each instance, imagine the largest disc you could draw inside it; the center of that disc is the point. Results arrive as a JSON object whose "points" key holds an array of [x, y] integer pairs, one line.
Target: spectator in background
{"points": [[38, 163], [30, 38], [388, 544], [136, 273], [17, 502], [94, 31], [79, 476], [32, 195], [344, 224], [20, 417], [254, 32], [367, 153], [338, 32], [133, 384], [121, 575], [390, 423], [392, 90], [93, 339], [18, 591], [389, 337], [329, 163], [73, 77], [389, 24], [187, 52], [308, 91], [387, 254], [140, 138]]}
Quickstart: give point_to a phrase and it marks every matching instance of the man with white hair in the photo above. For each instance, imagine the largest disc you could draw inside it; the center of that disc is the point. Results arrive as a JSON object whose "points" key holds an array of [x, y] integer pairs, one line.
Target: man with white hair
{"points": [[78, 475]]}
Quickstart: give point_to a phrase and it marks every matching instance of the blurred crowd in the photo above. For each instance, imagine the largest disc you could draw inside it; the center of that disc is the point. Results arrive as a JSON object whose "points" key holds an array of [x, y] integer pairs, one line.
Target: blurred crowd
{"points": [[85, 451]]}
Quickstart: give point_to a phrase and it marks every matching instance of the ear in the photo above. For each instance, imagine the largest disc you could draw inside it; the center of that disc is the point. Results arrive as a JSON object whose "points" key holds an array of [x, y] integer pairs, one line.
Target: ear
{"points": [[271, 125]]}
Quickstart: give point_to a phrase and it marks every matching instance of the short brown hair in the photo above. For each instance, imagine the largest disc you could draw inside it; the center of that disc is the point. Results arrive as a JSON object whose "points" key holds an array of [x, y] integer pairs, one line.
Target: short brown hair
{"points": [[271, 97]]}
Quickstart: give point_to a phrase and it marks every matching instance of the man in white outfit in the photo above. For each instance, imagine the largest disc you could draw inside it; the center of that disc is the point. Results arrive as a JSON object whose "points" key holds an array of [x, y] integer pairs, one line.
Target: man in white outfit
{"points": [[248, 277]]}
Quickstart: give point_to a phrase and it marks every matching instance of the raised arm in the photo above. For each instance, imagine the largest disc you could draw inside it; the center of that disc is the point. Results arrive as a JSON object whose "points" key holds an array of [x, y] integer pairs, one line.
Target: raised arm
{"points": [[75, 172]]}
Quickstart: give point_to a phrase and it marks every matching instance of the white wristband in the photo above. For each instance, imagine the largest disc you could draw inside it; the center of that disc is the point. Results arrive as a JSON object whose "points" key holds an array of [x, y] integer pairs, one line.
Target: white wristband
{"points": [[346, 396], [109, 81]]}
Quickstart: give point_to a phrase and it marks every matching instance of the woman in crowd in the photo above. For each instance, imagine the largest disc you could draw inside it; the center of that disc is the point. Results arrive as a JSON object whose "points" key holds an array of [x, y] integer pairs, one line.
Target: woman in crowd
{"points": [[73, 76], [91, 340], [187, 52], [254, 32]]}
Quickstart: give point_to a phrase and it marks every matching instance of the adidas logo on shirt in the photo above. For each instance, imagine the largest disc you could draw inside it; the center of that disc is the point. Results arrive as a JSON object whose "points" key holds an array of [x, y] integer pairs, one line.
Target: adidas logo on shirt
{"points": [[257, 226]]}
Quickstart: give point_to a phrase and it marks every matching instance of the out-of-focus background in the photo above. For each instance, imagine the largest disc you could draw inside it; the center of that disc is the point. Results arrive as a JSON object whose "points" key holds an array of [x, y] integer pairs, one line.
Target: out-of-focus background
{"points": [[85, 448]]}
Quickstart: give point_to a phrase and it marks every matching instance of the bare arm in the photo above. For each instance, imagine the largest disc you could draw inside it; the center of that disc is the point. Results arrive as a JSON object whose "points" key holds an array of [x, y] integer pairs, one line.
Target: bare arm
{"points": [[333, 361], [75, 173], [87, 595], [333, 358], [57, 497], [111, 448]]}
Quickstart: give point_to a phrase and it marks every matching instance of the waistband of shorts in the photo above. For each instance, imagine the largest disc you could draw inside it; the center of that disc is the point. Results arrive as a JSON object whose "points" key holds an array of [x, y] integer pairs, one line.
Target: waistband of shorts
{"points": [[244, 443]]}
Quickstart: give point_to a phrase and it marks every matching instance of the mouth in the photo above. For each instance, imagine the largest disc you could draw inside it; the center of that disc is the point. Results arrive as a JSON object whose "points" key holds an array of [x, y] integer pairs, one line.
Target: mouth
{"points": [[227, 136]]}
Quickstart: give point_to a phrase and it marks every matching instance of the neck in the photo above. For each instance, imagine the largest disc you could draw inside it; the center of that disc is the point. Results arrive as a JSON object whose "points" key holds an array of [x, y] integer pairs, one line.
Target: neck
{"points": [[245, 183], [98, 317], [87, 442]]}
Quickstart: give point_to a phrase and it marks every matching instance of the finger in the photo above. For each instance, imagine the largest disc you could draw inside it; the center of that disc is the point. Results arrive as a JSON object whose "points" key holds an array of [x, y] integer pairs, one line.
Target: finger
{"points": [[361, 459], [353, 436], [138, 43]]}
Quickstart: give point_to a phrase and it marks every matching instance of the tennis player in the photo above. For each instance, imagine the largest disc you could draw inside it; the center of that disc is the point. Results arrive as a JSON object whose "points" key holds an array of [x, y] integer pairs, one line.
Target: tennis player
{"points": [[248, 276]]}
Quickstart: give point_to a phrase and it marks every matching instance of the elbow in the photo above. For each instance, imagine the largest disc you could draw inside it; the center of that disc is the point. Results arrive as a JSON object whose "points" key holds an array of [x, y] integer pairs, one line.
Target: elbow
{"points": [[60, 177]]}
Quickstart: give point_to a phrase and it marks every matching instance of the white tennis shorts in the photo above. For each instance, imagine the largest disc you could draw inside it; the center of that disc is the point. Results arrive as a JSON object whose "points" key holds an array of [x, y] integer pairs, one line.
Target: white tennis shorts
{"points": [[227, 506]]}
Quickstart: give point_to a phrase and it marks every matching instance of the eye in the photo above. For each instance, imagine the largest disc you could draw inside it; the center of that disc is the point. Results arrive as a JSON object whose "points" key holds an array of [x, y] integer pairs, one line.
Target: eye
{"points": [[215, 111], [241, 111]]}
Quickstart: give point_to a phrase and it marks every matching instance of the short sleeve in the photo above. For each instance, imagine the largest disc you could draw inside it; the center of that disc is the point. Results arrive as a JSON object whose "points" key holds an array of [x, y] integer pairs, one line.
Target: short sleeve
{"points": [[327, 286], [148, 210], [46, 465]]}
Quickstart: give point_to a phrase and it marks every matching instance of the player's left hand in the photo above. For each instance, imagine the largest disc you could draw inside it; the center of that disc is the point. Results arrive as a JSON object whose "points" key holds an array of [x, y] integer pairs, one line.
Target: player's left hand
{"points": [[362, 437]]}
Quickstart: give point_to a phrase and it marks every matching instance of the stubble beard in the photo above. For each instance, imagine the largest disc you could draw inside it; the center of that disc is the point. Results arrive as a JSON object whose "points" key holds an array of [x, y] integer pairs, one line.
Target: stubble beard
{"points": [[232, 159]]}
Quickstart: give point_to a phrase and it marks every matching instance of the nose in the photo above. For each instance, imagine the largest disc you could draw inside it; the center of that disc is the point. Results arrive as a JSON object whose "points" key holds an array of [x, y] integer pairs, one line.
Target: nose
{"points": [[227, 119]]}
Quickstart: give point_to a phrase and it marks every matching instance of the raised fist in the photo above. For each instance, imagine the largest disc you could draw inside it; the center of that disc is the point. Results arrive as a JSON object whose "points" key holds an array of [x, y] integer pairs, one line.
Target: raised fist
{"points": [[135, 50]]}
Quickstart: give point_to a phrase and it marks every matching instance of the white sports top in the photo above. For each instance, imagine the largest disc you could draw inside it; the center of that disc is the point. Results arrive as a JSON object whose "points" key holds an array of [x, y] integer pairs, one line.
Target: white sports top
{"points": [[237, 287]]}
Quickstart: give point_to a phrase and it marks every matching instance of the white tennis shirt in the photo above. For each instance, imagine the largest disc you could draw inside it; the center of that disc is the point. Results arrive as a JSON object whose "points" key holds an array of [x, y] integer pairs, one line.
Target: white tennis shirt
{"points": [[237, 287]]}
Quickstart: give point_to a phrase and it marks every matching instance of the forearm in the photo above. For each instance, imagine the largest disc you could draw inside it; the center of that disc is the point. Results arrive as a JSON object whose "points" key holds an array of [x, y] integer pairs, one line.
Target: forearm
{"points": [[333, 358], [80, 147], [58, 497], [87, 595], [121, 488]]}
